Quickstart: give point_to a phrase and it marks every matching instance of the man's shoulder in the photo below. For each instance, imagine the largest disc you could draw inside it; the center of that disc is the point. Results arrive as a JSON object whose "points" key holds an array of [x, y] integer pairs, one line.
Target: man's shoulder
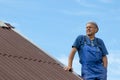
{"points": [[80, 36], [99, 40]]}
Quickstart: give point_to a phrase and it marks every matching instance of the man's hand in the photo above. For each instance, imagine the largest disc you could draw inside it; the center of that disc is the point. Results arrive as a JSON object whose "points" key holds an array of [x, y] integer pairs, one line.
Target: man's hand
{"points": [[105, 61], [67, 68]]}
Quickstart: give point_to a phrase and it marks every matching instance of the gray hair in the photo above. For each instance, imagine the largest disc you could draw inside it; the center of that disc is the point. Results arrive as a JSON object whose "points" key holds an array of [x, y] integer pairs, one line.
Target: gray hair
{"points": [[94, 23]]}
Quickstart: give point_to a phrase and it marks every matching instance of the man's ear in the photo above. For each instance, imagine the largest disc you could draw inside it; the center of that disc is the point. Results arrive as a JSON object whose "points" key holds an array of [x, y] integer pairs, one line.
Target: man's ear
{"points": [[96, 30]]}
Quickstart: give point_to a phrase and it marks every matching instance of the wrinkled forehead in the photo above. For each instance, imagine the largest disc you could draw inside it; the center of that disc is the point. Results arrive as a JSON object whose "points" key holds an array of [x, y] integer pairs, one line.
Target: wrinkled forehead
{"points": [[90, 25]]}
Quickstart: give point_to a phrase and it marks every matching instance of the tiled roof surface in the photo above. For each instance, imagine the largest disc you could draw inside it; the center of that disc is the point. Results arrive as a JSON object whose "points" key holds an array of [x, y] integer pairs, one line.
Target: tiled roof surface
{"points": [[21, 60]]}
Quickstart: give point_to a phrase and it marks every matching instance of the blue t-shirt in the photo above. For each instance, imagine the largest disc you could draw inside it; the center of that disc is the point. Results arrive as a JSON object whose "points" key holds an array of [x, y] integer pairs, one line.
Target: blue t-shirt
{"points": [[81, 39]]}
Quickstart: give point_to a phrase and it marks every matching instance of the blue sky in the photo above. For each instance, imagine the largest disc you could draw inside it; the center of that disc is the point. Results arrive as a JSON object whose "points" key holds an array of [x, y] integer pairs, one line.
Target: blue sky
{"points": [[53, 25]]}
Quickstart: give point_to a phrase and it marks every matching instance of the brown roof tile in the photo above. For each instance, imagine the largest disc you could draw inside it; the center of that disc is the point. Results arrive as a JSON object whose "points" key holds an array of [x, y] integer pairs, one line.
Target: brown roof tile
{"points": [[22, 60]]}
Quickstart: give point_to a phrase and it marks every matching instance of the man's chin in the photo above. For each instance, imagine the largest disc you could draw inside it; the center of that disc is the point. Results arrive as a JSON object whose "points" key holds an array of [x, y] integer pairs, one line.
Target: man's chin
{"points": [[89, 34]]}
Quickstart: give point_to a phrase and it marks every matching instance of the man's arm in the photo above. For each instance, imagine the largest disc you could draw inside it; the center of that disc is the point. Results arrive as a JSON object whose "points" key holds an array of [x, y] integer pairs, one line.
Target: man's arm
{"points": [[70, 59], [105, 61]]}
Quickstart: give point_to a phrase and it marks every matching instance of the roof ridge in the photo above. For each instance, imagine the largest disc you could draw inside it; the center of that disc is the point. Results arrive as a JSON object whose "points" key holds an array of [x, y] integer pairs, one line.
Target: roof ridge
{"points": [[6, 25]]}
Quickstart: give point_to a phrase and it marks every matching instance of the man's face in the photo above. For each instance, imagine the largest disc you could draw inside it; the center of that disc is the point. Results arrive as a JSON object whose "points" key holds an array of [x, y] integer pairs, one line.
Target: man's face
{"points": [[91, 29]]}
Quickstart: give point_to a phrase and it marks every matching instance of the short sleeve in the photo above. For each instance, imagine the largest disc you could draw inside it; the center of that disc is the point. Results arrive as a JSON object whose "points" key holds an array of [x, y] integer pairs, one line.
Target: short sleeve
{"points": [[77, 41], [103, 48]]}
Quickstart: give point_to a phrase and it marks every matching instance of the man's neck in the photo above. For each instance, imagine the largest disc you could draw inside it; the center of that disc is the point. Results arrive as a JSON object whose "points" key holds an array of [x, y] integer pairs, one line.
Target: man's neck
{"points": [[91, 37]]}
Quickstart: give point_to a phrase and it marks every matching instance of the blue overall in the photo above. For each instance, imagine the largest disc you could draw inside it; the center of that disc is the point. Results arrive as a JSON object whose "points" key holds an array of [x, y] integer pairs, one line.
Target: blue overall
{"points": [[91, 54]]}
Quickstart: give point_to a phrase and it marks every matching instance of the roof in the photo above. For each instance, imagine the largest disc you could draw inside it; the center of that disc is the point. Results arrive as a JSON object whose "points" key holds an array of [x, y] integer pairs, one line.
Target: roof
{"points": [[22, 60], [5, 25]]}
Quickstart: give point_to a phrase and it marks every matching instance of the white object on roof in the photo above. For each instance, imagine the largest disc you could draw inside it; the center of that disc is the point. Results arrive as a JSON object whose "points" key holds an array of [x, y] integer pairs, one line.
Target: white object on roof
{"points": [[2, 24]]}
